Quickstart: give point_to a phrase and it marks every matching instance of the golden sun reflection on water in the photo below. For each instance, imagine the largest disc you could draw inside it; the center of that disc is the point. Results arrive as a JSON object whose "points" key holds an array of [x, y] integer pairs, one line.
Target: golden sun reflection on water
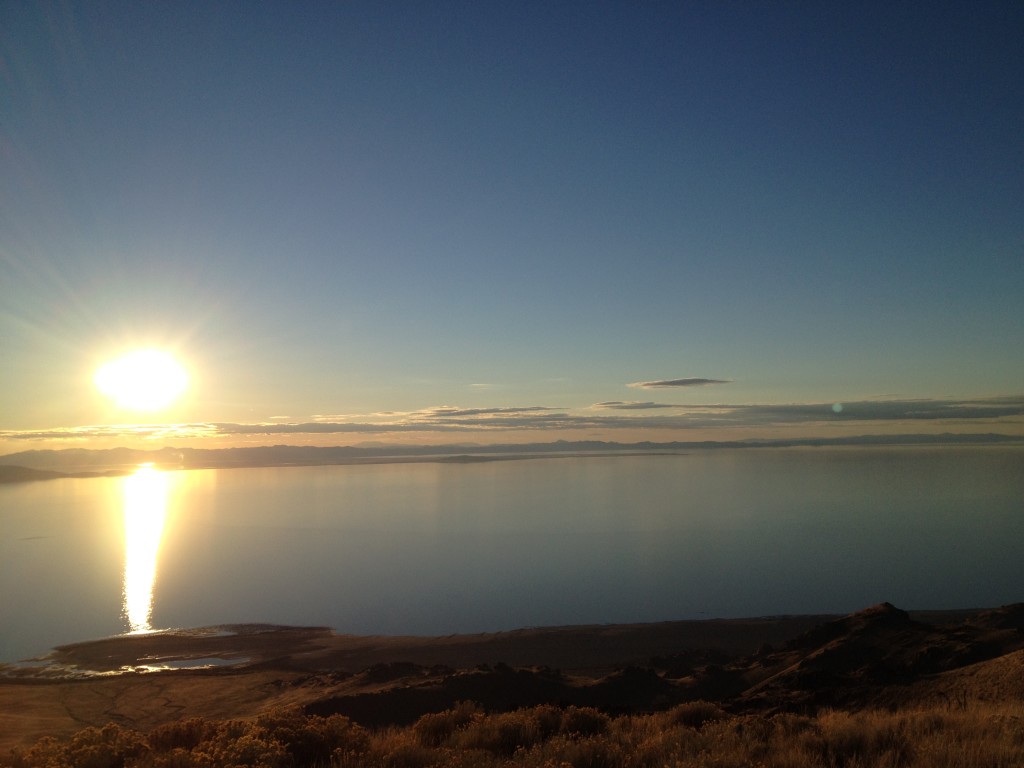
{"points": [[145, 512]]}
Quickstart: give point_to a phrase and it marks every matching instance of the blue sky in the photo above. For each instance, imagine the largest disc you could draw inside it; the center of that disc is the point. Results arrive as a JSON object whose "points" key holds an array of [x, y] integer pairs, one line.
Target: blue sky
{"points": [[357, 213]]}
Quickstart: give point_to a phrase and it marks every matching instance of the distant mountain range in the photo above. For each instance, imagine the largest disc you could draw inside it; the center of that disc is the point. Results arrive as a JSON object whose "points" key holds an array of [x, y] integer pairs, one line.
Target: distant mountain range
{"points": [[43, 464]]}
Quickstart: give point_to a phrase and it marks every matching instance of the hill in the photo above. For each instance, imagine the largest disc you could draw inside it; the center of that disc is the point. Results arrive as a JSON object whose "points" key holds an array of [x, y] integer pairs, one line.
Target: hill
{"points": [[879, 657]]}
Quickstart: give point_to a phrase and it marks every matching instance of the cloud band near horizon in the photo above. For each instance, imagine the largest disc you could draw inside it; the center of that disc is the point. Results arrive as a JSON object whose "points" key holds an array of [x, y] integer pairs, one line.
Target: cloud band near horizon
{"points": [[1006, 411]]}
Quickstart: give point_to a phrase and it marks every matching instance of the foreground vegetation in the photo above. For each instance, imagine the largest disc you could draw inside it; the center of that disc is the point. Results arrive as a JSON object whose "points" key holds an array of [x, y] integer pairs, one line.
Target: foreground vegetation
{"points": [[695, 734]]}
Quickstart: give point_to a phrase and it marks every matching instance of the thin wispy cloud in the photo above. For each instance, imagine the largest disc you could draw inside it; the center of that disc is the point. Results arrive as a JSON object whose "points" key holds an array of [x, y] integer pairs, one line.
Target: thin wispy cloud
{"points": [[432, 413], [632, 405], [451, 411], [886, 410], [119, 431], [324, 428], [673, 383], [346, 417]]}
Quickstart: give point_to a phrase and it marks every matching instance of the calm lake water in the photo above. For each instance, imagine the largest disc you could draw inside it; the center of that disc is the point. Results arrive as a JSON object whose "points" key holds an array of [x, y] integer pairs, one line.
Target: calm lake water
{"points": [[440, 548]]}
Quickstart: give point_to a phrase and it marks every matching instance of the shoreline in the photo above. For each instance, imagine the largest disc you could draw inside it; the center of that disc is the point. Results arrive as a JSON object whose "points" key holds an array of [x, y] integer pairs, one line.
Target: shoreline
{"points": [[571, 647]]}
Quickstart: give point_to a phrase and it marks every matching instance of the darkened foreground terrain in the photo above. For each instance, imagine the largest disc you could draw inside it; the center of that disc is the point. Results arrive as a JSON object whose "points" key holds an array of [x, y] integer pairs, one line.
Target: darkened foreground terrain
{"points": [[878, 687]]}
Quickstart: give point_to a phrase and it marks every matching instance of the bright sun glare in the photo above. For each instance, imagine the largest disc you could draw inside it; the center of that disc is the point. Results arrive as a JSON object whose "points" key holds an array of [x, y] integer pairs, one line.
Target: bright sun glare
{"points": [[144, 380]]}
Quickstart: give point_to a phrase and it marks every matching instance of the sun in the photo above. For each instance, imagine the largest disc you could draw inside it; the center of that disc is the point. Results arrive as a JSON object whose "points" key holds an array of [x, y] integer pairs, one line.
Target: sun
{"points": [[143, 380]]}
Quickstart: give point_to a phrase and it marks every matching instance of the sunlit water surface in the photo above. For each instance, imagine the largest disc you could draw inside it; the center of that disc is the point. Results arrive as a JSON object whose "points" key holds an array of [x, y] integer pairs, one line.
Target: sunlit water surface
{"points": [[439, 548]]}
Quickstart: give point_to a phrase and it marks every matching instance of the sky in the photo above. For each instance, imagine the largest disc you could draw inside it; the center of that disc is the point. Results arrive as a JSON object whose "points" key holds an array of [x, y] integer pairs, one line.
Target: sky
{"points": [[512, 222]]}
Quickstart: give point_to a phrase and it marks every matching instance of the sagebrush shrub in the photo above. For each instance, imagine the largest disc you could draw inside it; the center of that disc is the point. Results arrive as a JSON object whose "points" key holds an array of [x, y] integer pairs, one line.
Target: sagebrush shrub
{"points": [[584, 721], [437, 728], [694, 735], [693, 714]]}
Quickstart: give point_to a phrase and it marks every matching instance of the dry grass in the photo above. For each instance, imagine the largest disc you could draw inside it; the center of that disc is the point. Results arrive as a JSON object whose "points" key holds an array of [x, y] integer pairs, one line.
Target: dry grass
{"points": [[694, 735]]}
